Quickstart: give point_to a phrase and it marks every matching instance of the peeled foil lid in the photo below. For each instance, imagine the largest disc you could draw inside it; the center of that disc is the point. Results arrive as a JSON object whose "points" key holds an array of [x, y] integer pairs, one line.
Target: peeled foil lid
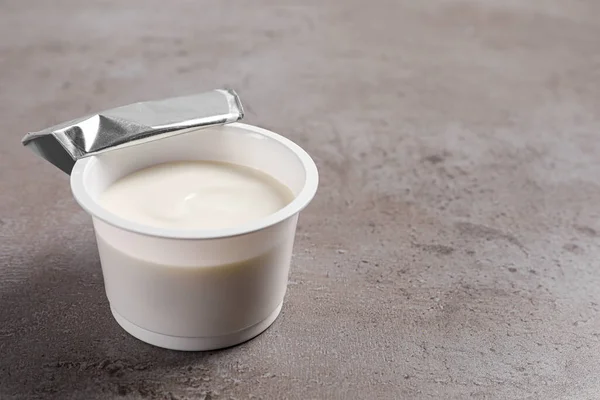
{"points": [[133, 124]]}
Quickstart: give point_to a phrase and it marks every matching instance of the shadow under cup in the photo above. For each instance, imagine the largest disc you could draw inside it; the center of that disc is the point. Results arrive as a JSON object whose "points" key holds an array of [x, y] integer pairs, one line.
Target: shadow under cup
{"points": [[197, 289]]}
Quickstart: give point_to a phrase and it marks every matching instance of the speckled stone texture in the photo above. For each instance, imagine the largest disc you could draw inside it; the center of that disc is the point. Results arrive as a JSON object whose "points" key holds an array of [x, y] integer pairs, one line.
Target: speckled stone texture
{"points": [[452, 251]]}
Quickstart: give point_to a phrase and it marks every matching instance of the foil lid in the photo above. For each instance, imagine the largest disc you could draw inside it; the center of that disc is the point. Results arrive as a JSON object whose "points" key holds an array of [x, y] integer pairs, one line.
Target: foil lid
{"points": [[133, 124]]}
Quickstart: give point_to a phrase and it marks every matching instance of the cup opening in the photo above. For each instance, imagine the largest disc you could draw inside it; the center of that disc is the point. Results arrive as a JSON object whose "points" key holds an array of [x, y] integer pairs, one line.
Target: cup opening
{"points": [[234, 143]]}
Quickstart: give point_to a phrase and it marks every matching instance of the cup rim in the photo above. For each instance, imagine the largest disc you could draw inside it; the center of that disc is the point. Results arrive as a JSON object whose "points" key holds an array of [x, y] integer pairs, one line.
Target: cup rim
{"points": [[300, 201]]}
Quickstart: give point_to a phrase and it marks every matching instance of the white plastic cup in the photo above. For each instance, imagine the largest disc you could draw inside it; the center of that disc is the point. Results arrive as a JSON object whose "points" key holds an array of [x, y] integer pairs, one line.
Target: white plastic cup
{"points": [[197, 289]]}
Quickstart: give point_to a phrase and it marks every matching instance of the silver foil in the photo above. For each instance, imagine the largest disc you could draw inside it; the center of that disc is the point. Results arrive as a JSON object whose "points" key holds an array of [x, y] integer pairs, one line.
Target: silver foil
{"points": [[133, 124]]}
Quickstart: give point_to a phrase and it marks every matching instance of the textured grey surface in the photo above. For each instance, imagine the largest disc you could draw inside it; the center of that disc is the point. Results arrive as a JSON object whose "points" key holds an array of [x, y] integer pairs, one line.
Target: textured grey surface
{"points": [[453, 248]]}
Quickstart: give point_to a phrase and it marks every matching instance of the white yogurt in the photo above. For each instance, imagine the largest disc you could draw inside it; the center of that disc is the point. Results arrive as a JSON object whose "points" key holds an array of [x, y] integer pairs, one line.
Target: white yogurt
{"points": [[195, 195], [195, 255]]}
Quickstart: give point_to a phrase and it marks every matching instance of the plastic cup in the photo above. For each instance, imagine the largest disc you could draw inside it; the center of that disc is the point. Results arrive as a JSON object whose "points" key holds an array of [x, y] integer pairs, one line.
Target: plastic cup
{"points": [[197, 289]]}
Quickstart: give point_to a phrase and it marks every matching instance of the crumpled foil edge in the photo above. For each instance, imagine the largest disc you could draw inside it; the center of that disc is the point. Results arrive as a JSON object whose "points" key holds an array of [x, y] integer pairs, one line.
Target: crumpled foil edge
{"points": [[133, 124]]}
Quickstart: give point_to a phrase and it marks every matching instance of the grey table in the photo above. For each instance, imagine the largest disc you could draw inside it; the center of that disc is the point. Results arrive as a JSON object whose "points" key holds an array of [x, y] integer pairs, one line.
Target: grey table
{"points": [[453, 248]]}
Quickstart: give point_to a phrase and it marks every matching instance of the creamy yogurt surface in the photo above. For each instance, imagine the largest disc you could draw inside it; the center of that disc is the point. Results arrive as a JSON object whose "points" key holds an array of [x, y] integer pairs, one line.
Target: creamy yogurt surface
{"points": [[195, 195]]}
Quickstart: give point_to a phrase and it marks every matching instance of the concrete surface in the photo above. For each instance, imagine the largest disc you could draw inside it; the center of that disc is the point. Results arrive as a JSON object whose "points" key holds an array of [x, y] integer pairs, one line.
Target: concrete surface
{"points": [[452, 251]]}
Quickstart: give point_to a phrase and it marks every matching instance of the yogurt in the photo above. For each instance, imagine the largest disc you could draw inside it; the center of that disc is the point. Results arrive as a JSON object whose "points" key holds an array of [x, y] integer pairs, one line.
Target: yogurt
{"points": [[195, 195], [195, 254]]}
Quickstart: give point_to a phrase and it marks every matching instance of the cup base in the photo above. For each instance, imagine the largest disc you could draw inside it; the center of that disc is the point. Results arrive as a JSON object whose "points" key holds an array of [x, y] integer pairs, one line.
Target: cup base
{"points": [[195, 343]]}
